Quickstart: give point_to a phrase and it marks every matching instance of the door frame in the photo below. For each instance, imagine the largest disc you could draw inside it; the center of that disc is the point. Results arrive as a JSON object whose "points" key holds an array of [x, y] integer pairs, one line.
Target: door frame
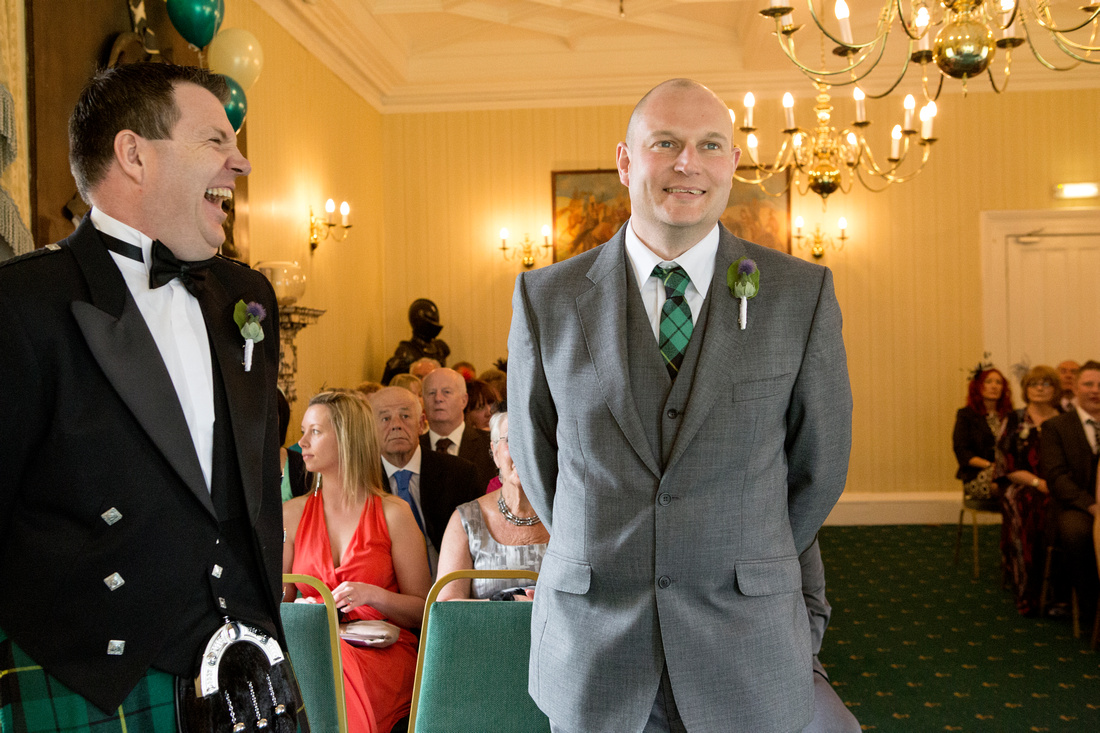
{"points": [[995, 228]]}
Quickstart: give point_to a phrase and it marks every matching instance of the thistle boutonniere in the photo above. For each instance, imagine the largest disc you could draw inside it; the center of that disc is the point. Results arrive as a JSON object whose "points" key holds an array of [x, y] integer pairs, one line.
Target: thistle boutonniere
{"points": [[248, 317], [743, 279]]}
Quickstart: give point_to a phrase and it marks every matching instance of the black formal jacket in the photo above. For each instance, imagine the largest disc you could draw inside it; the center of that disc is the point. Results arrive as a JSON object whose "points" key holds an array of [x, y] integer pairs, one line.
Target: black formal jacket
{"points": [[445, 482], [1067, 462], [475, 449], [971, 438], [100, 476]]}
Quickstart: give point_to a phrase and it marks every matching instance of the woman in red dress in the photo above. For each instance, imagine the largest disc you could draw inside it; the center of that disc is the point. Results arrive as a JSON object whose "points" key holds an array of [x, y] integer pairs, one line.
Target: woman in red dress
{"points": [[364, 544]]}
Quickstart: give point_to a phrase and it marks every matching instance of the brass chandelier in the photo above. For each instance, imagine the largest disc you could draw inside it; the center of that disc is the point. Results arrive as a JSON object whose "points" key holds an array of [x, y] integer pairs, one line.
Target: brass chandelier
{"points": [[959, 38], [826, 160]]}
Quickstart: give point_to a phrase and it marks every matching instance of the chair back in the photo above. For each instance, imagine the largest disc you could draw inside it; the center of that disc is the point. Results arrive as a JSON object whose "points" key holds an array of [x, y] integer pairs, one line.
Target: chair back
{"points": [[313, 643], [471, 673]]}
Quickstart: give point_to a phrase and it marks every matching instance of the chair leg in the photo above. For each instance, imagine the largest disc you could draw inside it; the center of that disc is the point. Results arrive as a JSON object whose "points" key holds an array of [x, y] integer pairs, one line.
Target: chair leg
{"points": [[1044, 590], [977, 565], [1076, 608], [958, 537]]}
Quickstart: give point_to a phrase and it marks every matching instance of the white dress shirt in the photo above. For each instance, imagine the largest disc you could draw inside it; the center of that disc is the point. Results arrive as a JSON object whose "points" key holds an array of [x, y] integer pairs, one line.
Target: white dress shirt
{"points": [[698, 263], [1089, 426], [414, 490], [455, 438], [175, 319]]}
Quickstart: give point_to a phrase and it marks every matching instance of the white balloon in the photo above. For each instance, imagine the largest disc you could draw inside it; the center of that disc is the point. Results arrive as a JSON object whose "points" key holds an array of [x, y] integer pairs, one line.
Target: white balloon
{"points": [[236, 53]]}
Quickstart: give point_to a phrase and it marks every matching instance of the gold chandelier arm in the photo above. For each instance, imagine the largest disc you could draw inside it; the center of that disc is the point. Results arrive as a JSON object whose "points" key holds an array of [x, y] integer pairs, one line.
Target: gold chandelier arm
{"points": [[1041, 59], [831, 77], [1008, 72], [939, 89], [1046, 21]]}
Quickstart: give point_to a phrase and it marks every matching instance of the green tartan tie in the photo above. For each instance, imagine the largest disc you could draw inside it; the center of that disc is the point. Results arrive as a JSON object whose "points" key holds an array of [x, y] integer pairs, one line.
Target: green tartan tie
{"points": [[675, 328]]}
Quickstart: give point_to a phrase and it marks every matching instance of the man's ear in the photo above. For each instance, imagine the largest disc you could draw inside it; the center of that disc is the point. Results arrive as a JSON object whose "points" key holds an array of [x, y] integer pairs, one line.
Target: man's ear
{"points": [[130, 154], [622, 162]]}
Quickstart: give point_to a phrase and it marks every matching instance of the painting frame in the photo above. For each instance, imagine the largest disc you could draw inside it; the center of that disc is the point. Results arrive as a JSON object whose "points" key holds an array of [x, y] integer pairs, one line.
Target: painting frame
{"points": [[590, 205]]}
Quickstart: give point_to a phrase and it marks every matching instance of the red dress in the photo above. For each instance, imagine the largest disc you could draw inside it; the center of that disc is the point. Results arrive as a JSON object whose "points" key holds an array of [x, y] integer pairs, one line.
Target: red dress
{"points": [[378, 682]]}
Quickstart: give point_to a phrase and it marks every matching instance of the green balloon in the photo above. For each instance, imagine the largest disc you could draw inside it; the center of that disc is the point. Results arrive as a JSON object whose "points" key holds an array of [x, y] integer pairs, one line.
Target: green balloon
{"points": [[237, 106], [196, 20]]}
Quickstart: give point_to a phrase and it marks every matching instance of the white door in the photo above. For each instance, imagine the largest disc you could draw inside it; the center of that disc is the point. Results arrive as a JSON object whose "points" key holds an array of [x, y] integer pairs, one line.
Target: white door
{"points": [[1041, 286]]}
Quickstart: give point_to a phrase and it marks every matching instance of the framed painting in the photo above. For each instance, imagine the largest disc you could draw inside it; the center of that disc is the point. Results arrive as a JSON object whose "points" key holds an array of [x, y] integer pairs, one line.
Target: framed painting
{"points": [[591, 205]]}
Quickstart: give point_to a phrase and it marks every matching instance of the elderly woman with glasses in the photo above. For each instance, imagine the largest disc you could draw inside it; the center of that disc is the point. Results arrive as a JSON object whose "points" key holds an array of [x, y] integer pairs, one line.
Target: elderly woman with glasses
{"points": [[494, 532], [1026, 498]]}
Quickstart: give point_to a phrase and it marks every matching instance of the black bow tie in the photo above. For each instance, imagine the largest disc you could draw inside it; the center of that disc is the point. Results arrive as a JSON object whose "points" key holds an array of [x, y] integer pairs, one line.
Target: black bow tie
{"points": [[166, 267]]}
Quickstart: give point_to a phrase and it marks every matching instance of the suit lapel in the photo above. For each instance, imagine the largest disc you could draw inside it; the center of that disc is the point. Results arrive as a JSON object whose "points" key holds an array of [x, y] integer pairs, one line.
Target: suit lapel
{"points": [[122, 345], [244, 391], [602, 314], [721, 354]]}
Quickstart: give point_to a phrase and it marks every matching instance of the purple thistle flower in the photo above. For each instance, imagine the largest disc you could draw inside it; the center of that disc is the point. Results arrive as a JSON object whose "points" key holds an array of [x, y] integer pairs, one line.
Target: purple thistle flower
{"points": [[256, 310], [747, 267]]}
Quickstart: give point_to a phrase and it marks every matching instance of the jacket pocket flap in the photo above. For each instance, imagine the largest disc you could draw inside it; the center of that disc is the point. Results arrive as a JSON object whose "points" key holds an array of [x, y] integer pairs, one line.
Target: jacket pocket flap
{"points": [[768, 577], [565, 574], [756, 389]]}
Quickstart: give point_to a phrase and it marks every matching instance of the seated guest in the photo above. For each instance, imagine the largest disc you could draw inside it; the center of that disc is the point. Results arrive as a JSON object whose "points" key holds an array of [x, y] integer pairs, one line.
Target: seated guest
{"points": [[479, 404], [1067, 459], [445, 398], [497, 379], [296, 480], [978, 427], [382, 569], [1025, 500], [432, 484], [830, 714], [409, 382], [1067, 374], [368, 388], [495, 532], [466, 369], [423, 366]]}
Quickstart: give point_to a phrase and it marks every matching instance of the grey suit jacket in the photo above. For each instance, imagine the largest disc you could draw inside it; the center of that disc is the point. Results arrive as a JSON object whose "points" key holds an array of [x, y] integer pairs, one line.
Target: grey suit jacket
{"points": [[692, 564]]}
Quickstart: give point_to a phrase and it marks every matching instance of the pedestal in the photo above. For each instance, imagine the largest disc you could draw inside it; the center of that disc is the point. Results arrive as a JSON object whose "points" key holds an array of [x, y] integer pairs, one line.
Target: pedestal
{"points": [[292, 319]]}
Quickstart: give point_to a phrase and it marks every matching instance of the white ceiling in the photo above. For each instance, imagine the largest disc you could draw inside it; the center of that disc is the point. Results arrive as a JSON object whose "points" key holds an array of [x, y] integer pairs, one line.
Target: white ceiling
{"points": [[421, 55]]}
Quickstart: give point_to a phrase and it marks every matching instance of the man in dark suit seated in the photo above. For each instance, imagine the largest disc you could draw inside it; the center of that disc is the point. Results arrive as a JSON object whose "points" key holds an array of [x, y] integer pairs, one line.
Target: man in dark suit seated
{"points": [[433, 484], [1068, 455], [444, 402], [139, 488]]}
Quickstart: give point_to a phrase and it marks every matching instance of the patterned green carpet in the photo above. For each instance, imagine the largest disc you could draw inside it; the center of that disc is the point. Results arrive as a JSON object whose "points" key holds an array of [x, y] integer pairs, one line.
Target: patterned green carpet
{"points": [[916, 645]]}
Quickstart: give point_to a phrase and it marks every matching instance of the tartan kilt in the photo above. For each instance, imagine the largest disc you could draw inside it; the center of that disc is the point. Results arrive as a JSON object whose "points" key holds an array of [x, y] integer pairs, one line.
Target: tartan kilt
{"points": [[32, 701]]}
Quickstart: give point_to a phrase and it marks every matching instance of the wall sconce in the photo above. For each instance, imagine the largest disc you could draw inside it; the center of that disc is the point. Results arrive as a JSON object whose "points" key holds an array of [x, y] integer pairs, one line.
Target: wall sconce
{"points": [[526, 250], [1086, 190], [322, 228], [818, 242]]}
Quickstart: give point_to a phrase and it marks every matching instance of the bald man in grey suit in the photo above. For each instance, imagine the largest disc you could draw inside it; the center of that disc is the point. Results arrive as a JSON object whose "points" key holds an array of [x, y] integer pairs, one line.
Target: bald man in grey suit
{"points": [[680, 481]]}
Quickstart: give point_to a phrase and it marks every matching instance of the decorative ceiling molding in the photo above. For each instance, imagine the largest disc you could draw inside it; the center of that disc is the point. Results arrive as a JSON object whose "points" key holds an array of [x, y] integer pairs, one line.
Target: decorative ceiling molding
{"points": [[439, 55]]}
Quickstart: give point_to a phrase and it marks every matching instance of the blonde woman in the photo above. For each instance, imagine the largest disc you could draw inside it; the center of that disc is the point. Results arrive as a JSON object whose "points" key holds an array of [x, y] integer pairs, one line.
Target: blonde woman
{"points": [[366, 547]]}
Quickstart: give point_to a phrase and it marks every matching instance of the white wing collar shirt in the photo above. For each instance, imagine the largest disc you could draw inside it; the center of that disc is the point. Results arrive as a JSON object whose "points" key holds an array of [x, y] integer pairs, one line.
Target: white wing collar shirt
{"points": [[175, 319], [698, 263]]}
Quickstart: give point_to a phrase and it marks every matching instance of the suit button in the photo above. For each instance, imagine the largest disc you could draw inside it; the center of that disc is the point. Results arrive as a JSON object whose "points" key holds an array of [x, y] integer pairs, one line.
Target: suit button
{"points": [[217, 571], [111, 516], [664, 499], [672, 413], [664, 581], [115, 647], [114, 581]]}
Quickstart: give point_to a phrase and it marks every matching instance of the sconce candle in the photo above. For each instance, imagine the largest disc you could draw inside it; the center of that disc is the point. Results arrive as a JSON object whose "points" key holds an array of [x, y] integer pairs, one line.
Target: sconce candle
{"points": [[788, 110]]}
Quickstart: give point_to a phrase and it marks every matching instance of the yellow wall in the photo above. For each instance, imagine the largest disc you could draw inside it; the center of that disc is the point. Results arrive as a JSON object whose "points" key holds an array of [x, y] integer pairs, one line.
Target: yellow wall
{"points": [[908, 280], [310, 138]]}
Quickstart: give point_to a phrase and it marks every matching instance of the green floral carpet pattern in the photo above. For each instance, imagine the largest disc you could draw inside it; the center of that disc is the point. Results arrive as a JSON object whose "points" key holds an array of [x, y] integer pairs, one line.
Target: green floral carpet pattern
{"points": [[916, 645]]}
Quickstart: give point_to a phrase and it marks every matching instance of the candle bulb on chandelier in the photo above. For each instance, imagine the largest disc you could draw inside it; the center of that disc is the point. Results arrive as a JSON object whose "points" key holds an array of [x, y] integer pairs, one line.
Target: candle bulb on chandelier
{"points": [[750, 102], [895, 142], [753, 153], [853, 148], [910, 104], [1007, 7], [733, 124], [921, 23], [861, 111], [788, 110], [841, 12], [330, 212], [927, 115]]}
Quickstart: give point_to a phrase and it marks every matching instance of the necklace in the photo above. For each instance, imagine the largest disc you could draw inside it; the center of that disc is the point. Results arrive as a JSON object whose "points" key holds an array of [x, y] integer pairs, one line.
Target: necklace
{"points": [[518, 521]]}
